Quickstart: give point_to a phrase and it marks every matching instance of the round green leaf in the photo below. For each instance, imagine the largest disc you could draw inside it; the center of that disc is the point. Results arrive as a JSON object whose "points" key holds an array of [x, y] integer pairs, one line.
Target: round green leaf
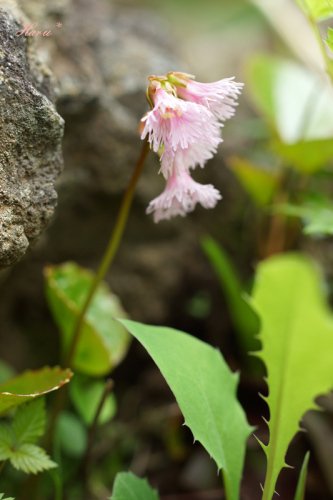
{"points": [[103, 342]]}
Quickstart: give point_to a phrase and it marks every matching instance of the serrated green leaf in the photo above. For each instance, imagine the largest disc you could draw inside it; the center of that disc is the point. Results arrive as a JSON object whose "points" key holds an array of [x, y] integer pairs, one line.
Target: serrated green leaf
{"points": [[316, 213], [293, 100], [29, 422], [103, 342], [318, 9], [297, 347], [31, 384], [31, 459], [307, 157], [243, 316], [86, 395], [205, 389], [6, 441], [300, 491], [259, 183], [127, 486]]}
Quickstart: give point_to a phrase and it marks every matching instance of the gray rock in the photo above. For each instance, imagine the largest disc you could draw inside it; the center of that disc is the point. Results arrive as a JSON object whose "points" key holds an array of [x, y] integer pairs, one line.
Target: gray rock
{"points": [[30, 141]]}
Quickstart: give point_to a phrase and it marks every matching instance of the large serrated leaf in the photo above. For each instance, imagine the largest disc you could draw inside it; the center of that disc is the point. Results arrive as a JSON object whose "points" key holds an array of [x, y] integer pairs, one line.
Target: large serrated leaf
{"points": [[127, 486], [103, 342], [297, 348], [29, 422], [31, 384], [205, 389]]}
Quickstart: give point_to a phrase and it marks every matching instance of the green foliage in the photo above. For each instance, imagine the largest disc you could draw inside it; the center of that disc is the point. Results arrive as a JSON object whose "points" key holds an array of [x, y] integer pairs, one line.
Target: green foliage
{"points": [[317, 9], [31, 384], [260, 184], [29, 422], [243, 316], [16, 441], [1, 497], [297, 345], [300, 491], [316, 213], [329, 39], [71, 434], [205, 390], [103, 342], [127, 486], [86, 395], [307, 157], [30, 459], [294, 101]]}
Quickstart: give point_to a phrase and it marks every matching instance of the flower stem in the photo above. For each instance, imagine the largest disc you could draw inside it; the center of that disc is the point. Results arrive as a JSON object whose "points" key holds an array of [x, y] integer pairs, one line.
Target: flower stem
{"points": [[111, 249]]}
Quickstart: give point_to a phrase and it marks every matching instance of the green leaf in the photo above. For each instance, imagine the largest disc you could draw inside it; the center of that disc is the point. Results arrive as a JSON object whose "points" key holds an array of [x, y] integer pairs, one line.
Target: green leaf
{"points": [[31, 459], [71, 434], [259, 183], [103, 342], [127, 486], [6, 441], [308, 157], [316, 213], [31, 384], [300, 491], [86, 395], [205, 390], [297, 347], [29, 422], [1, 497], [296, 102], [243, 316], [318, 9], [329, 39]]}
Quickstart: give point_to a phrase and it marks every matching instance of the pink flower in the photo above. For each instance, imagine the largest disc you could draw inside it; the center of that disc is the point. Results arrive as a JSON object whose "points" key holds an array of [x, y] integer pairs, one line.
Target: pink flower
{"points": [[182, 160], [184, 128], [174, 123], [219, 97], [180, 196]]}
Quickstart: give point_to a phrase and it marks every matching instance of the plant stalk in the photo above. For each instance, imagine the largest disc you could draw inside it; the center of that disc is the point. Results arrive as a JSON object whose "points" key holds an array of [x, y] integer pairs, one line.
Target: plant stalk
{"points": [[111, 249]]}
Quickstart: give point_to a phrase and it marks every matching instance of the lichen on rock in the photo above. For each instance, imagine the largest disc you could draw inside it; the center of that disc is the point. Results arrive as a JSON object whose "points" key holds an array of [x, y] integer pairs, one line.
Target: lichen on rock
{"points": [[31, 131]]}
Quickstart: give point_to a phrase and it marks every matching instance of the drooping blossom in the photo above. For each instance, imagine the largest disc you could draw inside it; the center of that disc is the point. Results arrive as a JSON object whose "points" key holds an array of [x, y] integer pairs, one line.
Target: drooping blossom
{"points": [[219, 97], [184, 159], [183, 127], [180, 196], [176, 123]]}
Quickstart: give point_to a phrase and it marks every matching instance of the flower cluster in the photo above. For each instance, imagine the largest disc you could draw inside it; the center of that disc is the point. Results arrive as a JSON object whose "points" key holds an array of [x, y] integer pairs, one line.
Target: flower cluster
{"points": [[184, 128]]}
